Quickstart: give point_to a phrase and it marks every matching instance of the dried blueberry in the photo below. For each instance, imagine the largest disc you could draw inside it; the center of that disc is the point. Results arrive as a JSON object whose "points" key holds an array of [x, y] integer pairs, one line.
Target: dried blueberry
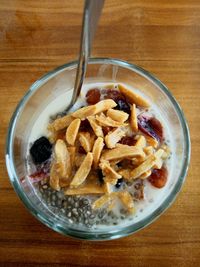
{"points": [[123, 105], [41, 150], [100, 175], [119, 183]]}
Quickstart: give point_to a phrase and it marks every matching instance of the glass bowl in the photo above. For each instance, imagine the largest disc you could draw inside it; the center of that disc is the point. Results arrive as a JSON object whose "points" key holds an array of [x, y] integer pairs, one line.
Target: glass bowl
{"points": [[58, 82]]}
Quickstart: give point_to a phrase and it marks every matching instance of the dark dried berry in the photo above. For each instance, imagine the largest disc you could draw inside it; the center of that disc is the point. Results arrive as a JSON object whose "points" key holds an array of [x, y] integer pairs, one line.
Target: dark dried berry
{"points": [[100, 176], [81, 150], [106, 130], [150, 126], [128, 140], [113, 94], [41, 150], [119, 183], [158, 177], [123, 105], [93, 96], [85, 126]]}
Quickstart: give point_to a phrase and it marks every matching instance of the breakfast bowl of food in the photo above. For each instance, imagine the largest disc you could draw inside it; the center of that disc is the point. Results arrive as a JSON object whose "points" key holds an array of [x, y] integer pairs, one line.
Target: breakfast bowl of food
{"points": [[111, 164]]}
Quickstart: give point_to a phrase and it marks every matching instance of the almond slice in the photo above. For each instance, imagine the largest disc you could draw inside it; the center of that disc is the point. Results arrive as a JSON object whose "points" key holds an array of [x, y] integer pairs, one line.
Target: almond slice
{"points": [[111, 176], [107, 121], [54, 178], [86, 189], [133, 118], [138, 171], [151, 141], [112, 138], [127, 201], [122, 151], [72, 131], [133, 97], [117, 115], [83, 171], [61, 123], [86, 141], [105, 199], [104, 105], [95, 126], [72, 153], [97, 149], [141, 141], [62, 158], [84, 112], [148, 150], [145, 174]]}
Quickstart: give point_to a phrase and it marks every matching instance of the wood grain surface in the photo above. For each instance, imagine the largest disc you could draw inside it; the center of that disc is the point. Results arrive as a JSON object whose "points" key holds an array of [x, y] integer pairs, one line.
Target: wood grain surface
{"points": [[162, 36]]}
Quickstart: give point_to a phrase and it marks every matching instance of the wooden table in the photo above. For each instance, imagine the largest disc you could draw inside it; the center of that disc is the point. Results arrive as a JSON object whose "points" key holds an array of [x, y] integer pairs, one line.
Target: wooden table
{"points": [[163, 37]]}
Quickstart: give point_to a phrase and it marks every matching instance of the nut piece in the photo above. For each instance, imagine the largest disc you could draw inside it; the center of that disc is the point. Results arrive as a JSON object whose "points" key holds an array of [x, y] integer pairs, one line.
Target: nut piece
{"points": [[61, 123], [112, 138], [141, 141], [104, 105], [86, 141], [97, 149], [84, 112], [107, 121], [54, 178], [62, 159], [83, 171], [122, 151], [133, 118], [127, 201], [133, 98], [111, 176], [95, 126], [138, 171], [117, 115], [89, 188], [72, 131]]}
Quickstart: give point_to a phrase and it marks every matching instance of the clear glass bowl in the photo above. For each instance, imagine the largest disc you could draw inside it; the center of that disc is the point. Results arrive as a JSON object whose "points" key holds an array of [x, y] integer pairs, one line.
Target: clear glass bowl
{"points": [[57, 82]]}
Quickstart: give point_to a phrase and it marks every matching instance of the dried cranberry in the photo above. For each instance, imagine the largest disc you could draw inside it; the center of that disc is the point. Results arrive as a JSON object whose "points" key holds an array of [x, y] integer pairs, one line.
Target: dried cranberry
{"points": [[150, 126], [123, 105], [119, 183], [41, 150], [93, 96], [158, 178], [113, 94], [128, 140]]}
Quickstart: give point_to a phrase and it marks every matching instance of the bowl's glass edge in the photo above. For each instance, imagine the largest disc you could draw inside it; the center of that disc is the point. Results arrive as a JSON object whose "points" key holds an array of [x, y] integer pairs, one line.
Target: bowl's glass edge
{"points": [[101, 235]]}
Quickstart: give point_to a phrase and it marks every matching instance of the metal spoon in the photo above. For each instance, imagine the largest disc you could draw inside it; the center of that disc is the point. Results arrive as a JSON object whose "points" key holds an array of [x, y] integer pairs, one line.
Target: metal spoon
{"points": [[92, 12]]}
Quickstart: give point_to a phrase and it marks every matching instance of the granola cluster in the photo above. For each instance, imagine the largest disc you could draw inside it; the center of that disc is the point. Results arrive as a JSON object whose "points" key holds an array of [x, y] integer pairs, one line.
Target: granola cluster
{"points": [[95, 139]]}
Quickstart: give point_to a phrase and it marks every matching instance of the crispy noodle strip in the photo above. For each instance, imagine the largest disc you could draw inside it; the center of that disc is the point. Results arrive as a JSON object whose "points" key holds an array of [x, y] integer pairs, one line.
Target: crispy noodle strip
{"points": [[97, 149]]}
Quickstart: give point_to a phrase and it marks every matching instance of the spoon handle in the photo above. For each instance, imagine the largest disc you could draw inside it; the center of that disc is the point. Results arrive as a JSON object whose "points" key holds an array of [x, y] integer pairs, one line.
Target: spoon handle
{"points": [[92, 12]]}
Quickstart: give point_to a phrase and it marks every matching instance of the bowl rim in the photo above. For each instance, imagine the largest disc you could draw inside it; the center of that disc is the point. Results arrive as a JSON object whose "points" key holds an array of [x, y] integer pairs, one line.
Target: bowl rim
{"points": [[84, 234]]}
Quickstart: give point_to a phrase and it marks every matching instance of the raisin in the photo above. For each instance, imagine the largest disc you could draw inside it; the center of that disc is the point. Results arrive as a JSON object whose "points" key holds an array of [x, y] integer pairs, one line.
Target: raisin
{"points": [[123, 105], [128, 140], [41, 150], [151, 126], [119, 183], [93, 96], [158, 177]]}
